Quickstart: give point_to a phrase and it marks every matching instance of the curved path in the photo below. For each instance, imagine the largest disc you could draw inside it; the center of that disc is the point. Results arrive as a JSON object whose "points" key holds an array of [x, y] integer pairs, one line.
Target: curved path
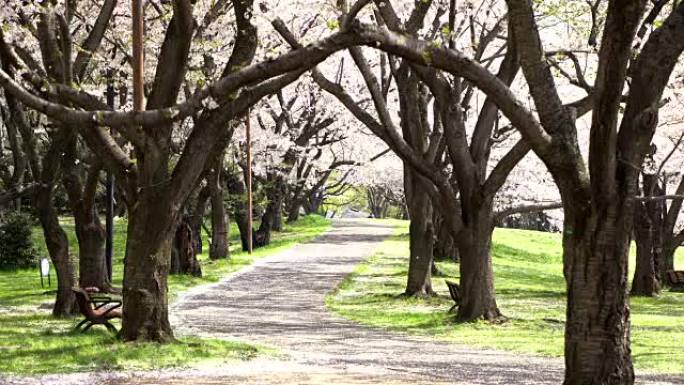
{"points": [[279, 302]]}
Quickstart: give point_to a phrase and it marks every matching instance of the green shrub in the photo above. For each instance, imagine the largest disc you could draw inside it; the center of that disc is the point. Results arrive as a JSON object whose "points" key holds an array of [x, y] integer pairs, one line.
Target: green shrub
{"points": [[16, 247]]}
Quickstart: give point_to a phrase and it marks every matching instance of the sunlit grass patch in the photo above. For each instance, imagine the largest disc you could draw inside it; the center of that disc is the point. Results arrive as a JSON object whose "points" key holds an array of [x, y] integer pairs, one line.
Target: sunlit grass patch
{"points": [[36, 344], [32, 342], [530, 291]]}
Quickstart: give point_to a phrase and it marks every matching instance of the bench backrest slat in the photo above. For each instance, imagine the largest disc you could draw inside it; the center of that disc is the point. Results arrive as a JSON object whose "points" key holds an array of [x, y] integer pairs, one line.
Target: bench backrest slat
{"points": [[84, 304], [454, 291], [675, 277]]}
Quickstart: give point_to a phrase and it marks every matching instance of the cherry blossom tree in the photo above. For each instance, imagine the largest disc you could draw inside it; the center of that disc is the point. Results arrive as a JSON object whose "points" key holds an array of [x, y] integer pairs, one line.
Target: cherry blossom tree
{"points": [[598, 197]]}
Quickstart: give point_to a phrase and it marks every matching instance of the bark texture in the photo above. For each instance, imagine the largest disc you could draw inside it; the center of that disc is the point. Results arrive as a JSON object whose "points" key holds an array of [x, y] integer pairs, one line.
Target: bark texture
{"points": [[58, 248], [238, 191], [598, 199], [184, 253], [89, 230], [648, 231], [478, 299], [219, 222], [146, 268], [421, 236]]}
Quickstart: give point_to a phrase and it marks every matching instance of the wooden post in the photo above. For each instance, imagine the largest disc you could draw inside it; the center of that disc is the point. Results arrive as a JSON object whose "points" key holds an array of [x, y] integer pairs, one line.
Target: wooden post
{"points": [[138, 55], [248, 135], [109, 223]]}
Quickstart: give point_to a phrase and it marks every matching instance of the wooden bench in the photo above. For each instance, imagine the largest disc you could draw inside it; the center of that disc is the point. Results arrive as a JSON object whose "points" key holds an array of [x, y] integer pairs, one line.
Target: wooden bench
{"points": [[96, 310], [455, 292], [675, 279]]}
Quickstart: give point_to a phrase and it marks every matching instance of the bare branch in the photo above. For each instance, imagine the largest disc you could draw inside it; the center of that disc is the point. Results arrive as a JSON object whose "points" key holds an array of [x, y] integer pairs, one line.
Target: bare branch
{"points": [[498, 176], [533, 208], [94, 39]]}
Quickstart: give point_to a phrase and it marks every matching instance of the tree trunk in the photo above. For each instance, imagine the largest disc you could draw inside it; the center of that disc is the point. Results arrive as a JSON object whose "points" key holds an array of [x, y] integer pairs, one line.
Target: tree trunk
{"points": [[445, 247], [314, 202], [597, 349], [219, 225], [377, 203], [277, 217], [648, 231], [275, 192], [668, 258], [421, 235], [275, 204], [183, 254], [262, 237], [197, 217], [237, 191], [405, 212], [91, 252], [91, 235], [58, 248], [645, 282], [55, 238], [478, 298], [120, 204], [271, 220], [148, 250], [420, 263], [293, 213]]}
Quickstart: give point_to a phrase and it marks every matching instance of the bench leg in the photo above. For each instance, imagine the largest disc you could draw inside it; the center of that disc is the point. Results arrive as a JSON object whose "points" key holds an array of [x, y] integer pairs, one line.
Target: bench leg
{"points": [[87, 327], [78, 327], [110, 327]]}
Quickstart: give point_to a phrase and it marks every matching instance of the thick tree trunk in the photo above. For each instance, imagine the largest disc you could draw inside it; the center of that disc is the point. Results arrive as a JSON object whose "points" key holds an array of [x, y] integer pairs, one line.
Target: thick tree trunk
{"points": [[91, 235], [377, 203], [91, 252], [183, 254], [120, 204], [89, 231], [197, 217], [237, 190], [648, 231], [275, 192], [645, 282], [478, 298], [151, 226], [293, 213], [262, 237], [314, 203], [597, 349], [58, 248], [668, 258], [219, 228], [277, 217], [445, 247], [271, 220], [219, 225], [421, 235], [405, 212]]}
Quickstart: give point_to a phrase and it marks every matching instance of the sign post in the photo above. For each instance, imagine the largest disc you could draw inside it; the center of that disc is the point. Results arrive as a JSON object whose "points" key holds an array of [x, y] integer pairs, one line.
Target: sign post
{"points": [[248, 135], [109, 240], [45, 272], [138, 55]]}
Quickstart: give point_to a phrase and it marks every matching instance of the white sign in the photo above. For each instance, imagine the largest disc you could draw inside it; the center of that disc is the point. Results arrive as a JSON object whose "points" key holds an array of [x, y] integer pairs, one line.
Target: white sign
{"points": [[44, 267]]}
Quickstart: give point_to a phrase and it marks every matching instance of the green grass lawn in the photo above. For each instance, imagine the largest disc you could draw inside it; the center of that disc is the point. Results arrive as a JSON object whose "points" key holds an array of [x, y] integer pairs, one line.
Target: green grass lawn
{"points": [[530, 292], [31, 342]]}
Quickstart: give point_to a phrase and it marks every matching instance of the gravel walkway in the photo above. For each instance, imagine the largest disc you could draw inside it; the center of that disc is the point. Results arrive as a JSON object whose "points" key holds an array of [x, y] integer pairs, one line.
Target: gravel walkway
{"points": [[279, 302]]}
